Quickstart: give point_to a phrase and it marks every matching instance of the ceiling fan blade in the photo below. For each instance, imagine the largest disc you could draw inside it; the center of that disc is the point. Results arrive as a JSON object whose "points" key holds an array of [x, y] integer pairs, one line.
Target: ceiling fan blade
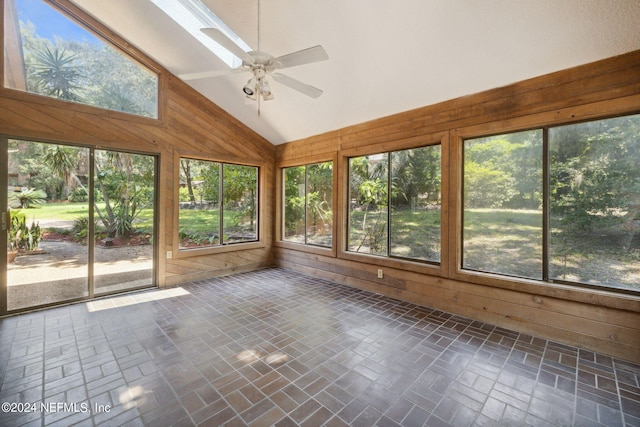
{"points": [[224, 41], [304, 88], [305, 56], [207, 74]]}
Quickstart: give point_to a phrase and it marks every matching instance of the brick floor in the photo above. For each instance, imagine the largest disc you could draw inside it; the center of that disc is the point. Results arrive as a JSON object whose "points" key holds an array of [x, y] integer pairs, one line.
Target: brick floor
{"points": [[274, 347]]}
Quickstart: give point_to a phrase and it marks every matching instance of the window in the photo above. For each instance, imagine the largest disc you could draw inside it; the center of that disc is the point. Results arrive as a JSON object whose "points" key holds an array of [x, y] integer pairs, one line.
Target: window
{"points": [[308, 204], [594, 234], [218, 204], [48, 54], [502, 230], [394, 204], [582, 226]]}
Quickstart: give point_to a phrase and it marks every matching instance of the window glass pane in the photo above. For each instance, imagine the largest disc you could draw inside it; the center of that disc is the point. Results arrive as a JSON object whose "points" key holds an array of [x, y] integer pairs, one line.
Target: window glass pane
{"points": [[415, 203], [502, 219], [48, 54], [48, 232], [368, 204], [294, 204], [199, 213], [320, 204], [124, 195], [240, 201], [595, 202]]}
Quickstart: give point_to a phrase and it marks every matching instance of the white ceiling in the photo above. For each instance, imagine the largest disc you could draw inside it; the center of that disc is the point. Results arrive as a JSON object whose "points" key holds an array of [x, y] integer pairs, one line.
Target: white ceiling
{"points": [[385, 56]]}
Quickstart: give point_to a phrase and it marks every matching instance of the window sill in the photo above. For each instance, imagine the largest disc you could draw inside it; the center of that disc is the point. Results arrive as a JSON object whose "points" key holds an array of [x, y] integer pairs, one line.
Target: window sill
{"points": [[570, 292], [395, 263], [318, 250], [187, 253]]}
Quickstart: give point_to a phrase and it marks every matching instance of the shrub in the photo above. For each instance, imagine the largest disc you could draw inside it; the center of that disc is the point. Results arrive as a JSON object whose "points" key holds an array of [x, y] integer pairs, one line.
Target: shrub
{"points": [[21, 236], [28, 198], [81, 228], [78, 195]]}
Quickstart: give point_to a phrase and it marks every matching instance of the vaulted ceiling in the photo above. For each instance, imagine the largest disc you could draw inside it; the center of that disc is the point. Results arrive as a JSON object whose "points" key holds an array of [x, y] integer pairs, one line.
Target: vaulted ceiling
{"points": [[385, 56]]}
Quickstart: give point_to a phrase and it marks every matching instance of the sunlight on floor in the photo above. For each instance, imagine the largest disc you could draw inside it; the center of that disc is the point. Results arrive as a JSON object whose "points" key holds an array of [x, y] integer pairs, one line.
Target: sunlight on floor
{"points": [[132, 299], [250, 356], [133, 396]]}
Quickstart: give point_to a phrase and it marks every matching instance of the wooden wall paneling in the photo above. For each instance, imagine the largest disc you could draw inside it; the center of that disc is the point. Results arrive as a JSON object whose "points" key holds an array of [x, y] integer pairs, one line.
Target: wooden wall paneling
{"points": [[601, 320], [315, 146], [227, 131], [580, 85]]}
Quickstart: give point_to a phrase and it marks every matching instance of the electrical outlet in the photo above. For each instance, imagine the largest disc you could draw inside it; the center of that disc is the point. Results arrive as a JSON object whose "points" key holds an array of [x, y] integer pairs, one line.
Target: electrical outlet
{"points": [[169, 254], [380, 274]]}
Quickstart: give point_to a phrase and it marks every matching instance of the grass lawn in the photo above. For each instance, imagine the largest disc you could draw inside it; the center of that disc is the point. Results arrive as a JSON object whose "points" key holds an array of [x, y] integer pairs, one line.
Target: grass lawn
{"points": [[508, 241], [201, 221], [505, 241], [71, 211], [65, 211], [414, 234]]}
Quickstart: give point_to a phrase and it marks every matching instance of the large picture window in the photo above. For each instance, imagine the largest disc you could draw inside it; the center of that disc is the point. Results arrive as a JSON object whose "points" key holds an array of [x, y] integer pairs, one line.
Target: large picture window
{"points": [[502, 230], [394, 204], [581, 226], [308, 204], [48, 54], [594, 231], [218, 204]]}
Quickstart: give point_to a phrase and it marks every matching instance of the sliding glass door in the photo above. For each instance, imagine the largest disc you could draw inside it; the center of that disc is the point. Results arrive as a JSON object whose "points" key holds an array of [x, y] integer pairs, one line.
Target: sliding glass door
{"points": [[124, 193], [79, 223], [48, 258]]}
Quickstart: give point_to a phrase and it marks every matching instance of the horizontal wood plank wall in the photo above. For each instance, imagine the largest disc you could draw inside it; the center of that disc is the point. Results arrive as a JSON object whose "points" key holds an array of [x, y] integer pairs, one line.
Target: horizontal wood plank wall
{"points": [[189, 123], [597, 320]]}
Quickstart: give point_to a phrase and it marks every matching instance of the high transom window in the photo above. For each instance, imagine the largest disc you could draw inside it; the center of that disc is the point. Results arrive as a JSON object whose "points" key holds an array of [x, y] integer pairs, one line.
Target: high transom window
{"points": [[48, 54]]}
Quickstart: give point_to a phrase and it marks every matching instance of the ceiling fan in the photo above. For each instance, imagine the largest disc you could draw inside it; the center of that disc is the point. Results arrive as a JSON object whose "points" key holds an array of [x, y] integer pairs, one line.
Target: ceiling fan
{"points": [[261, 64]]}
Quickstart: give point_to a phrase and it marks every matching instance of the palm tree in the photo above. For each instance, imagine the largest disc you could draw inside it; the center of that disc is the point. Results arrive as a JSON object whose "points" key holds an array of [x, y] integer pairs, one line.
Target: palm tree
{"points": [[63, 161], [55, 74]]}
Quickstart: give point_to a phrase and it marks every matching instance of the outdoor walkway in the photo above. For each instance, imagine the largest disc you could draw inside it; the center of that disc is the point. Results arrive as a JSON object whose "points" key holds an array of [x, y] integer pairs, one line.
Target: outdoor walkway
{"points": [[60, 272]]}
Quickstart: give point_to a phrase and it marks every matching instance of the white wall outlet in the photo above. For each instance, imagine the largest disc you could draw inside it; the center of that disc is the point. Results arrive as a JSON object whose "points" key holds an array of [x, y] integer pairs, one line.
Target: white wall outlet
{"points": [[380, 274], [169, 254]]}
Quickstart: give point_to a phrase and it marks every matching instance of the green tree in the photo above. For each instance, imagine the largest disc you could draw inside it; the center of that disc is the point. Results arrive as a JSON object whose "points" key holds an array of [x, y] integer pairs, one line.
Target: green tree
{"points": [[369, 193], [185, 173], [240, 188], [595, 179], [415, 172], [488, 182], [63, 162], [125, 182], [90, 72], [57, 75], [319, 197], [295, 199]]}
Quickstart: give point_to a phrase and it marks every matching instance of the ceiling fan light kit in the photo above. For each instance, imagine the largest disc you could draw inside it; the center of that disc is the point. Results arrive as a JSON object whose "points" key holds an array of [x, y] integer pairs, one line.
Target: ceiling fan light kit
{"points": [[261, 64], [250, 88]]}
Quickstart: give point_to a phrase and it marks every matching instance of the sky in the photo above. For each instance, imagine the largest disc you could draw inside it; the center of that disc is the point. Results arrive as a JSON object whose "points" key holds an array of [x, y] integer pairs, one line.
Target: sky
{"points": [[50, 23]]}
